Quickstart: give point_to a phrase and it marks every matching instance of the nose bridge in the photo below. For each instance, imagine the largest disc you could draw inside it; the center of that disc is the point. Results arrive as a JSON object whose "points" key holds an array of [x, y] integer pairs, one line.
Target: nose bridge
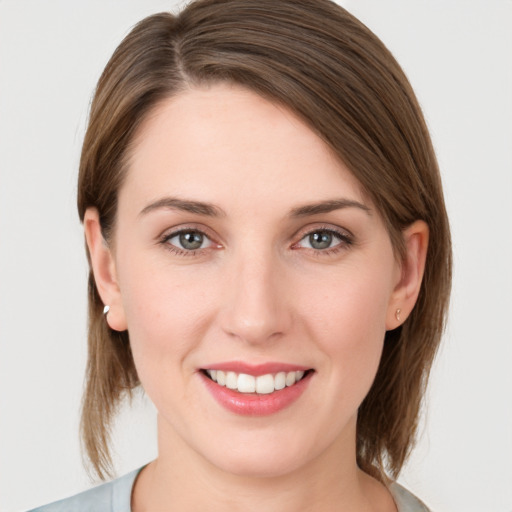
{"points": [[257, 308]]}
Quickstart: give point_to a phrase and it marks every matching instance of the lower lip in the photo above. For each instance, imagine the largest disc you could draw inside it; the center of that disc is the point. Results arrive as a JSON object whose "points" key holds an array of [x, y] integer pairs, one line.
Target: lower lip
{"points": [[256, 405]]}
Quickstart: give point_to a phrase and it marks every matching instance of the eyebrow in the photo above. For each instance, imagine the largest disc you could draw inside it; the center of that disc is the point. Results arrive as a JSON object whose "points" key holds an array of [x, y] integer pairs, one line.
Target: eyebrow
{"points": [[173, 203], [327, 206], [210, 210]]}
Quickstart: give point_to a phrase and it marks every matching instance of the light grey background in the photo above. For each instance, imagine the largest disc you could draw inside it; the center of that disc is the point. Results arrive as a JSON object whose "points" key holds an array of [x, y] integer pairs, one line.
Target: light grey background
{"points": [[458, 56]]}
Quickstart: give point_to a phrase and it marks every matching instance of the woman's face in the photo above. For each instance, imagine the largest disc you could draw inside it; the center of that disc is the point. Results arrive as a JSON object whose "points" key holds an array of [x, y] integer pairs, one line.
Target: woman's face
{"points": [[244, 246]]}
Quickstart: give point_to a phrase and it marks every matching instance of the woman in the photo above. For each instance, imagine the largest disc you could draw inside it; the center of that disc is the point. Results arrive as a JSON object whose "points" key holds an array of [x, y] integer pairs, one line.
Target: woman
{"points": [[270, 260]]}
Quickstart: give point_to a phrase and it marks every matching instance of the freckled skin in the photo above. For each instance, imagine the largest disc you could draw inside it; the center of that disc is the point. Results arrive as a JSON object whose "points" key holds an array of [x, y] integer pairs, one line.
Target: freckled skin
{"points": [[256, 290]]}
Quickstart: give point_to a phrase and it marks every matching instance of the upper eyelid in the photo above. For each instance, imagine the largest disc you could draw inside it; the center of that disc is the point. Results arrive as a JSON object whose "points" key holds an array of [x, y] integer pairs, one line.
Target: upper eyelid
{"points": [[337, 237], [171, 232], [298, 235], [342, 232]]}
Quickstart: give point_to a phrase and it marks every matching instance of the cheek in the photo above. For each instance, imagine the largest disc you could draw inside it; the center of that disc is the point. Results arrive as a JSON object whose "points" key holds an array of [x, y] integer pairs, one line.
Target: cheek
{"points": [[166, 315], [347, 318]]}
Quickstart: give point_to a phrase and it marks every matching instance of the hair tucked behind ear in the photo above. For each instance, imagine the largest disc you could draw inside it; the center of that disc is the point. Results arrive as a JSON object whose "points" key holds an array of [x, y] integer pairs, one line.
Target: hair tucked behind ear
{"points": [[320, 62], [110, 373]]}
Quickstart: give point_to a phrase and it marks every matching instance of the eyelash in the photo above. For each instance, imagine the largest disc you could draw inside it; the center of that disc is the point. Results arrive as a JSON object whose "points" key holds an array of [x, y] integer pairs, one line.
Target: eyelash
{"points": [[345, 241], [164, 240]]}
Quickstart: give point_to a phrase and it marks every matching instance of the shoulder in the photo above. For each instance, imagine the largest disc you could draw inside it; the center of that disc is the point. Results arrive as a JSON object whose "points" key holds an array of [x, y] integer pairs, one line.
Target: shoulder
{"points": [[406, 501], [113, 496]]}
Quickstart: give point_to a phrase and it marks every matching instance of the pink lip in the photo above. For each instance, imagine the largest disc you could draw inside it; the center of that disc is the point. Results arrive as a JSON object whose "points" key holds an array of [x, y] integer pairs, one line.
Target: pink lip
{"points": [[246, 404], [256, 369]]}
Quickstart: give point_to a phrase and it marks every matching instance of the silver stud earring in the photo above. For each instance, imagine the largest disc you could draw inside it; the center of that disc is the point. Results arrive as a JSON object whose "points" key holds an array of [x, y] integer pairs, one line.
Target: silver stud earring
{"points": [[397, 314], [106, 309]]}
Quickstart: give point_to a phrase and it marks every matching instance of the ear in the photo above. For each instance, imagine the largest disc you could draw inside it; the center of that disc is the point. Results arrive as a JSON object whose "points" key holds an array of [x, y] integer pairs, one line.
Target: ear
{"points": [[407, 289], [104, 270]]}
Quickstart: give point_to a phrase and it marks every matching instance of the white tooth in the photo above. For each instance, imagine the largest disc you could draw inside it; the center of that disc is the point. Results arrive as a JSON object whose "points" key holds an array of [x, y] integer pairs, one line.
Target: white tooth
{"points": [[213, 374], [221, 378], [231, 380], [290, 378], [280, 381], [298, 375], [265, 384], [246, 383]]}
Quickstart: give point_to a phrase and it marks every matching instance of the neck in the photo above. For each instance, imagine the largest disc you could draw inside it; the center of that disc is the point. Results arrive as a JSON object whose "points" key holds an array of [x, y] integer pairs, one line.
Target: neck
{"points": [[182, 479]]}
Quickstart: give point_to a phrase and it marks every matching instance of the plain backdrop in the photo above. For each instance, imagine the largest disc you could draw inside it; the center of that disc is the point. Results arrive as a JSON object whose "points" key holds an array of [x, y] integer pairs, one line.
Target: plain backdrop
{"points": [[458, 56]]}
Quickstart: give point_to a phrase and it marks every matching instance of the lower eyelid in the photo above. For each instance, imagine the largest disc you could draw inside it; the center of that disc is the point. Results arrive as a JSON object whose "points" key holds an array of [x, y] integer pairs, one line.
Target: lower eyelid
{"points": [[176, 235], [164, 240], [342, 238]]}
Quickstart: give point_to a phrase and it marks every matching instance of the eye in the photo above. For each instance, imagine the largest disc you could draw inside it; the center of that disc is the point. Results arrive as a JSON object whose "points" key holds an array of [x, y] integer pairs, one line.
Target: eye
{"points": [[323, 240], [320, 240], [188, 240]]}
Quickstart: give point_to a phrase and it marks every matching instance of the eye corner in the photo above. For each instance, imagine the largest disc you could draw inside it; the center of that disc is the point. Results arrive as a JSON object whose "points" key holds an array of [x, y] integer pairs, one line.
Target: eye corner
{"points": [[188, 241], [326, 235]]}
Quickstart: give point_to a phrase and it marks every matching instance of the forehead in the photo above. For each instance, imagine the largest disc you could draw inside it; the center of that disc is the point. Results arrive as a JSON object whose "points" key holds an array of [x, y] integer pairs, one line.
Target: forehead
{"points": [[226, 141]]}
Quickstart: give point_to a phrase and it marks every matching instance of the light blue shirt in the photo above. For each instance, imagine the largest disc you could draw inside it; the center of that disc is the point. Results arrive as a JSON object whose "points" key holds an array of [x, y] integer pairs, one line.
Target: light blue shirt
{"points": [[116, 496]]}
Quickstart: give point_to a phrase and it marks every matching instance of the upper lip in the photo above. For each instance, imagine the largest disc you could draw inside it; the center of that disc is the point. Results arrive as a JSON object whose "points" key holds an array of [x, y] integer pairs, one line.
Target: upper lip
{"points": [[256, 369]]}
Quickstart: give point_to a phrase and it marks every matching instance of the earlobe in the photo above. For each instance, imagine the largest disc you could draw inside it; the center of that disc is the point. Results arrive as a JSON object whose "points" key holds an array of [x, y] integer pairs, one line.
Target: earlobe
{"points": [[408, 287], [104, 270]]}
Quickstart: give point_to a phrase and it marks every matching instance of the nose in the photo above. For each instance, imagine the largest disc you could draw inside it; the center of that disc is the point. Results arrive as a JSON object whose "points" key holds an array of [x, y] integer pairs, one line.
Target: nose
{"points": [[257, 308]]}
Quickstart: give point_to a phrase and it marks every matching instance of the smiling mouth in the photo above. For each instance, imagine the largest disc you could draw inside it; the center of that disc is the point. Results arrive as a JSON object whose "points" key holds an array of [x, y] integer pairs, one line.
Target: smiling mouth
{"points": [[261, 385]]}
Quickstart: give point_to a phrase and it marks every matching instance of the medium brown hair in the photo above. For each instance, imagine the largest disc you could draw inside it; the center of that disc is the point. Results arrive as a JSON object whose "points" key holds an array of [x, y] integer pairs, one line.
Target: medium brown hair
{"points": [[316, 59]]}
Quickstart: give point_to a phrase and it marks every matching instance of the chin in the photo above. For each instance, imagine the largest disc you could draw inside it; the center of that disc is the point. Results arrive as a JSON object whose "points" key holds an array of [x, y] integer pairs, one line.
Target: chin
{"points": [[258, 456], [247, 465]]}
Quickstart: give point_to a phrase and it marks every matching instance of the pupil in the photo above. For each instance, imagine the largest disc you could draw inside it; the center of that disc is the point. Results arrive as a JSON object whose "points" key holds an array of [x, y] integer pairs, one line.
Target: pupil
{"points": [[191, 240], [320, 240]]}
